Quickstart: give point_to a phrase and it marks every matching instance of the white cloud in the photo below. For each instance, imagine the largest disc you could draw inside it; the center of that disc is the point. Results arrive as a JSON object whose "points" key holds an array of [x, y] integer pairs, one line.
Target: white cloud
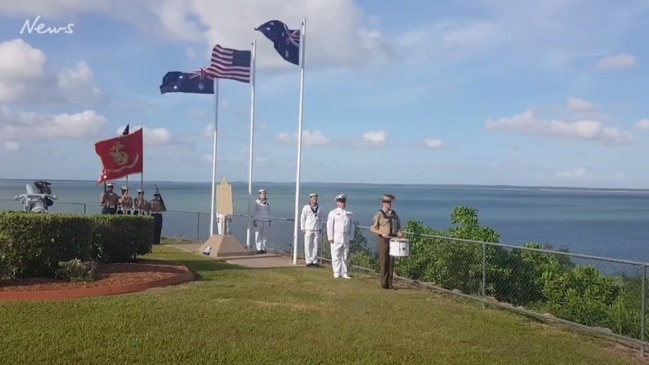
{"points": [[12, 146], [22, 67], [617, 62], [78, 83], [353, 41], [451, 40], [642, 124], [209, 131], [152, 136], [374, 138], [529, 123], [620, 176], [578, 173], [315, 138], [433, 144], [579, 105], [158, 136], [30, 126]]}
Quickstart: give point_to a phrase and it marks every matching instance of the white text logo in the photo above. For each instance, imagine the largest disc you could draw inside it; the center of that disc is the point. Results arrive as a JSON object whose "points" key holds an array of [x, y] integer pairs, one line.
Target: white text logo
{"points": [[41, 28]]}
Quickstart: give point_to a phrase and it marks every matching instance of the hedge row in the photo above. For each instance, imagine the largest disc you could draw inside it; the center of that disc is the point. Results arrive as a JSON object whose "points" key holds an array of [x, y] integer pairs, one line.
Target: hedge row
{"points": [[33, 244]]}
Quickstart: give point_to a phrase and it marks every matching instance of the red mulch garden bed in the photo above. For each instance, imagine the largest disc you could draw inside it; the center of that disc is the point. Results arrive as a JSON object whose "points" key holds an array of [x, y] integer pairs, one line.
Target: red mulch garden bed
{"points": [[108, 275]]}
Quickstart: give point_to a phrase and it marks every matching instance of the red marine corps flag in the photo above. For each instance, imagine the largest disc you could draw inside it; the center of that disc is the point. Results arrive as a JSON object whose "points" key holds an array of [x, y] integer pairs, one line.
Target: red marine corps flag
{"points": [[121, 156]]}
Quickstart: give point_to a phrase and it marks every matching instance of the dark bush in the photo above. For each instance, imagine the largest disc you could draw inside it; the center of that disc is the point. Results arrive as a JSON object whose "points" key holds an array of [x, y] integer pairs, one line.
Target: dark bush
{"points": [[121, 238], [33, 244]]}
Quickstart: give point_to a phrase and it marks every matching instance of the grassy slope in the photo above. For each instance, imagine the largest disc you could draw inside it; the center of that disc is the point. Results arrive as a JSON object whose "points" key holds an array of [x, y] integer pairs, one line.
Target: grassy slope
{"points": [[281, 316]]}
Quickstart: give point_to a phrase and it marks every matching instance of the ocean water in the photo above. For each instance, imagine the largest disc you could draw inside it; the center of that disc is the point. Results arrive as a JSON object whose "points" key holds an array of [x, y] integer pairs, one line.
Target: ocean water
{"points": [[602, 222]]}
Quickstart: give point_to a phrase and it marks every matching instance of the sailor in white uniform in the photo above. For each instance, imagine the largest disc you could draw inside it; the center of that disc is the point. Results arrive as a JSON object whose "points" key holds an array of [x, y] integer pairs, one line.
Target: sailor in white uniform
{"points": [[340, 230], [261, 221], [311, 227]]}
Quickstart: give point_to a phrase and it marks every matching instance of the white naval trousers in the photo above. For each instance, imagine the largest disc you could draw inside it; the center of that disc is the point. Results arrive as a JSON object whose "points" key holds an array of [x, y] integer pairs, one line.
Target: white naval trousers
{"points": [[261, 235], [311, 243], [339, 252]]}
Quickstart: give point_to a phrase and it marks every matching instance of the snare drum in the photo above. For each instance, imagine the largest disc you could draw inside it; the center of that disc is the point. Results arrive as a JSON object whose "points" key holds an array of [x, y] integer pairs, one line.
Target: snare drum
{"points": [[399, 247]]}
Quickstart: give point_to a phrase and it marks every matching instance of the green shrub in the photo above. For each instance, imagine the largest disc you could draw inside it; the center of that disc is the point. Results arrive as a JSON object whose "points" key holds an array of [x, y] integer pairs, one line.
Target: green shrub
{"points": [[121, 238], [545, 282], [77, 270], [34, 243]]}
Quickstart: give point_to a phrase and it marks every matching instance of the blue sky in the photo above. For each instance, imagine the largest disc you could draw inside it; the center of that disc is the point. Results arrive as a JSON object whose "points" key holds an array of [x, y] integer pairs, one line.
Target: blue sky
{"points": [[468, 92]]}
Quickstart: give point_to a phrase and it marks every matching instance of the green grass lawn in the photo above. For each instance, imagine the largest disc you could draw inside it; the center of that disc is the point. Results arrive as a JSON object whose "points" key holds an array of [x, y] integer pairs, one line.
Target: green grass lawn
{"points": [[234, 315]]}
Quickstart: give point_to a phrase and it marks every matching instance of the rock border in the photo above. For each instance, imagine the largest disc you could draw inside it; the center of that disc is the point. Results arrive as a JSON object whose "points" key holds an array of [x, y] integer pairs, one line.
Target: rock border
{"points": [[98, 291]]}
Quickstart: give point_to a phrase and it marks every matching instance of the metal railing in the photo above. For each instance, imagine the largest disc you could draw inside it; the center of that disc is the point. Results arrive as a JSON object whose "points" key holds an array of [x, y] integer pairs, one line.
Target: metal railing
{"points": [[603, 296]]}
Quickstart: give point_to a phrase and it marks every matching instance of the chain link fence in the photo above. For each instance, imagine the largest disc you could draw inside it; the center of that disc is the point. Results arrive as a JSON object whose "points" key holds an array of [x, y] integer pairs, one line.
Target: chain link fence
{"points": [[600, 295]]}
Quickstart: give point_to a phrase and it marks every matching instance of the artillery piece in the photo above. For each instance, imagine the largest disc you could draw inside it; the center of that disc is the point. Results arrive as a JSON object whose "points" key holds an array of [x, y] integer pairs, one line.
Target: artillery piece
{"points": [[38, 197]]}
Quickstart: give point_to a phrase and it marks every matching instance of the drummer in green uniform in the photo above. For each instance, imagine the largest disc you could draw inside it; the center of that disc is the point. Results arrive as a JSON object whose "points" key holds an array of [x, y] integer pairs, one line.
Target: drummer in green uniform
{"points": [[386, 224]]}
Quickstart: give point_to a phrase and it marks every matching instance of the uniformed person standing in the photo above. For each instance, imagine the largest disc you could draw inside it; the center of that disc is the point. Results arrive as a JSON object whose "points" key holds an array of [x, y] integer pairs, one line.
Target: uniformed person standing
{"points": [[340, 230], [386, 224], [141, 204], [311, 227], [108, 200], [261, 221], [125, 202], [157, 208]]}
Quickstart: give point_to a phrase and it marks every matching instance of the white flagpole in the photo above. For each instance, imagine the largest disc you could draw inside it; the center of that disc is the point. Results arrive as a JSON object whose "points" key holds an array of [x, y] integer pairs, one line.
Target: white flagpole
{"points": [[216, 128], [252, 138], [299, 143]]}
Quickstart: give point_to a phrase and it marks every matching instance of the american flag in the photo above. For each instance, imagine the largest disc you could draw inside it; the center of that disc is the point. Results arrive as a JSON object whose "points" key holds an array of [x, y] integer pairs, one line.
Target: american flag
{"points": [[228, 63]]}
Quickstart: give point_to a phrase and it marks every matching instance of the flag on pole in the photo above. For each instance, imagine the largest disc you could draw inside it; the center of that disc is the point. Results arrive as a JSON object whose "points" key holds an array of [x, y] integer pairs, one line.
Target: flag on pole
{"points": [[285, 41], [125, 132], [196, 82], [121, 156], [228, 63]]}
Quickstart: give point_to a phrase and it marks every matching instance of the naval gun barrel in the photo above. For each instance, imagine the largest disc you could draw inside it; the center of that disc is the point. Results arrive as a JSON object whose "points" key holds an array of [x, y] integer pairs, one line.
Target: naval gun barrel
{"points": [[38, 197]]}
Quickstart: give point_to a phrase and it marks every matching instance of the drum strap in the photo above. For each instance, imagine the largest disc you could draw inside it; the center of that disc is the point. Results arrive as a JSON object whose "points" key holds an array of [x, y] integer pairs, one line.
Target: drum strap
{"points": [[390, 219]]}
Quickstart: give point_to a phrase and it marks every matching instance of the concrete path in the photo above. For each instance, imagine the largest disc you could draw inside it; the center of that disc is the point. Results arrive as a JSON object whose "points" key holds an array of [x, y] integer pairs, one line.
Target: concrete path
{"points": [[252, 260]]}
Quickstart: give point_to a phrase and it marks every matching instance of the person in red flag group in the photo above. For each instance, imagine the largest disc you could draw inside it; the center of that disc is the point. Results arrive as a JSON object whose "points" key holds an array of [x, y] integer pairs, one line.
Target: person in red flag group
{"points": [[141, 204], [157, 207], [121, 156], [125, 202], [108, 200]]}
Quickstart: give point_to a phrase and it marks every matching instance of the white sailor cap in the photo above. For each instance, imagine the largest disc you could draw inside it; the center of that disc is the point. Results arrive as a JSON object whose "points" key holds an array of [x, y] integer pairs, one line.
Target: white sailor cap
{"points": [[110, 185], [312, 195], [140, 191], [340, 197], [262, 191], [124, 188]]}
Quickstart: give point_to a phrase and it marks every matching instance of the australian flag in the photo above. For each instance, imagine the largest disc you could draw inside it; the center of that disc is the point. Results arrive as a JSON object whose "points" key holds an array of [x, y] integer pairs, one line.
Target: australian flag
{"points": [[286, 41], [196, 82]]}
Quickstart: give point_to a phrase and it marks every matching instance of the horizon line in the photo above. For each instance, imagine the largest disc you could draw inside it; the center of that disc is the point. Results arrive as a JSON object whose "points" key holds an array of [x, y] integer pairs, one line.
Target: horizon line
{"points": [[354, 183]]}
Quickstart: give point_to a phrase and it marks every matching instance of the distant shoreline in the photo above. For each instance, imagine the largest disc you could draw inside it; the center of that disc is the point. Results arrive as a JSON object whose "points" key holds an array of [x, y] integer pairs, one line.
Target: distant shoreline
{"points": [[136, 181]]}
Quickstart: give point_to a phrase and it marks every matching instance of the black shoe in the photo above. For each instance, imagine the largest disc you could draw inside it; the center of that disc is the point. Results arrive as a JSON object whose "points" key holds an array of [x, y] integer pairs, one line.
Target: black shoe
{"points": [[260, 252], [309, 264]]}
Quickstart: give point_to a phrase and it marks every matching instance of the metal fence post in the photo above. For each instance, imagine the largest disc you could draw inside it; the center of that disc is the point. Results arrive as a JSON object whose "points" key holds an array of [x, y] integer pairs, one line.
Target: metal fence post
{"points": [[198, 226], [644, 309], [484, 273], [84, 209], [320, 245]]}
